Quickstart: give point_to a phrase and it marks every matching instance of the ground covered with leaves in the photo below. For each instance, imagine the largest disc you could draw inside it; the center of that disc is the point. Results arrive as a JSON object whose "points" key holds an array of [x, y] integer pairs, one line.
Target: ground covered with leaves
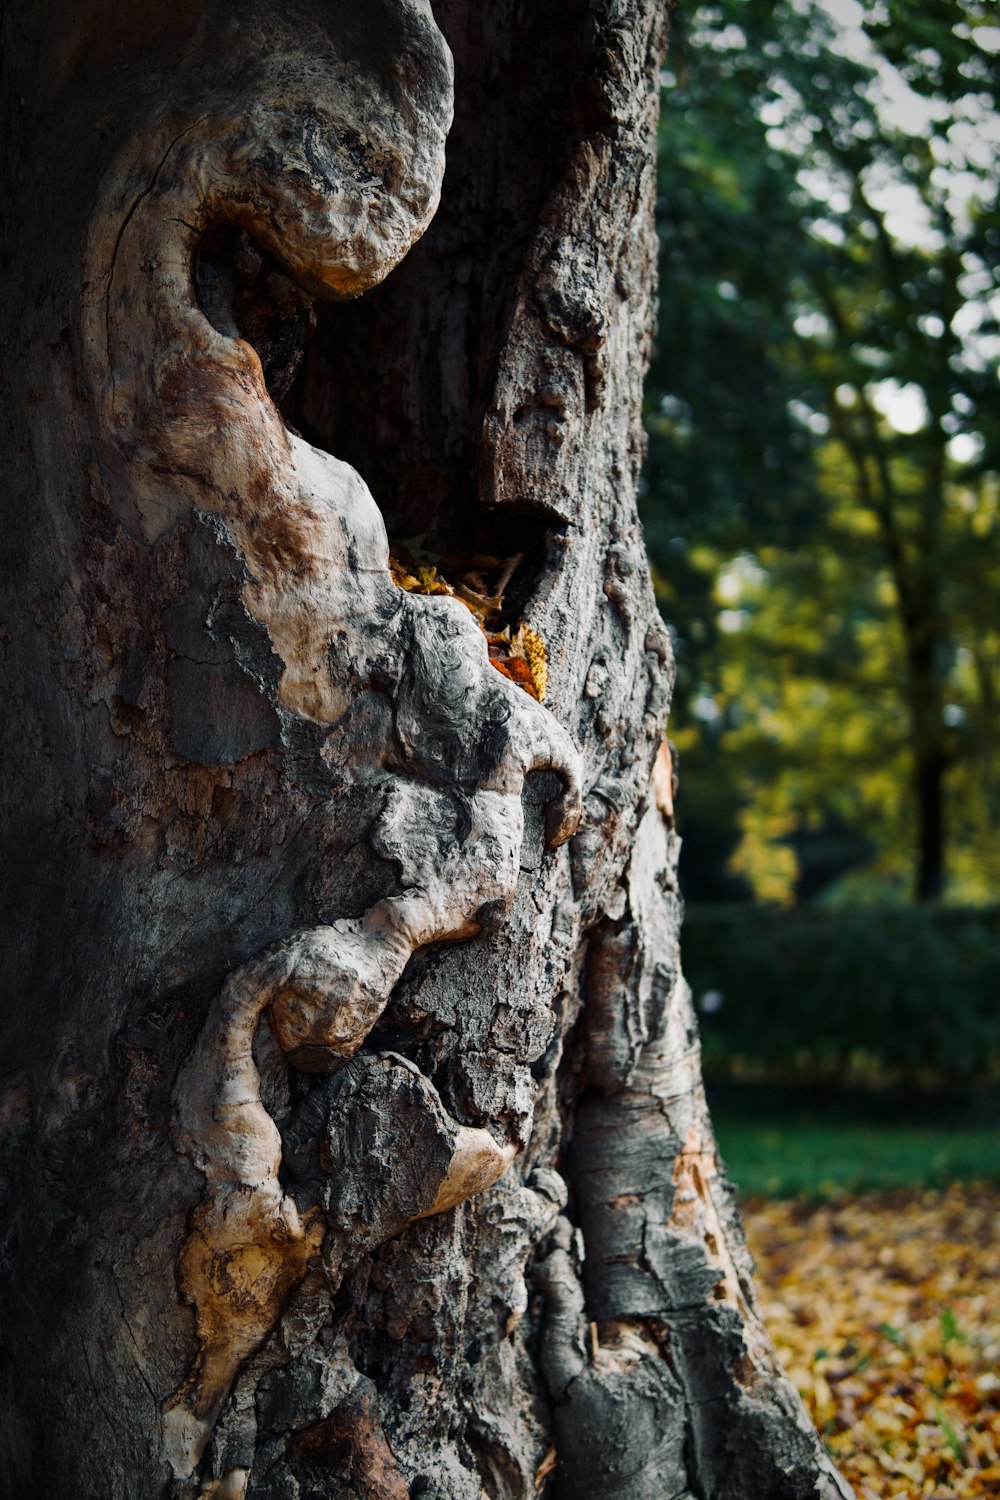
{"points": [[885, 1309]]}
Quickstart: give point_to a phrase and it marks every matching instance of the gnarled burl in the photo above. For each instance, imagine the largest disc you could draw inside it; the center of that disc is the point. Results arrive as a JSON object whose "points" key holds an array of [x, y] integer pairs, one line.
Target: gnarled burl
{"points": [[353, 1140]]}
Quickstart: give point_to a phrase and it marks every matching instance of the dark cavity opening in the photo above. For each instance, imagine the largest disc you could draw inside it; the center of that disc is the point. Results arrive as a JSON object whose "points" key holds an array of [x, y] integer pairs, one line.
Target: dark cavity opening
{"points": [[246, 294], [360, 393], [344, 377], [397, 383]]}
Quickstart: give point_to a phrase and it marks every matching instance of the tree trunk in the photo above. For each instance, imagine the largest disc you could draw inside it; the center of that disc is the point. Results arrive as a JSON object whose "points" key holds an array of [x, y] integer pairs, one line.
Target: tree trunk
{"points": [[930, 773], [930, 757], [353, 1137]]}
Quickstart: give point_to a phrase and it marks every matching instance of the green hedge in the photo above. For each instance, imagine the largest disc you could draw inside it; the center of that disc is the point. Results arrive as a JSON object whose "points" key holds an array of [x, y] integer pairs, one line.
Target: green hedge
{"points": [[864, 995]]}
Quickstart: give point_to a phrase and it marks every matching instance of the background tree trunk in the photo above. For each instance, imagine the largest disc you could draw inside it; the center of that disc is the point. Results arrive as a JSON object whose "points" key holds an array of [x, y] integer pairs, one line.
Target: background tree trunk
{"points": [[284, 855]]}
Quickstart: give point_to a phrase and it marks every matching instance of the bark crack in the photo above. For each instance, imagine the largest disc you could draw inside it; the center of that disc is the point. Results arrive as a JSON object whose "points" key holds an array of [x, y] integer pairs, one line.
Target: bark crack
{"points": [[121, 231], [135, 1343], [96, 1388]]}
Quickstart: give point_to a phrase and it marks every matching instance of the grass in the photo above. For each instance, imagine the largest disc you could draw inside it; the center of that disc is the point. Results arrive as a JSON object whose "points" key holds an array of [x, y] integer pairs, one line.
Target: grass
{"points": [[795, 1155]]}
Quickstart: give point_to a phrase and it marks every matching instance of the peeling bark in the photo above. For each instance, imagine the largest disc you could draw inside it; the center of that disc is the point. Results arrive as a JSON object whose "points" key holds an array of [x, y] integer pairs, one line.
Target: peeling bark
{"points": [[352, 1132]]}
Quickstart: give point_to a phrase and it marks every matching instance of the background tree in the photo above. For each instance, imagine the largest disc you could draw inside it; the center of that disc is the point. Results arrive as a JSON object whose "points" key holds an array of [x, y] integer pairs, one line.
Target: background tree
{"points": [[833, 266], [354, 1142]]}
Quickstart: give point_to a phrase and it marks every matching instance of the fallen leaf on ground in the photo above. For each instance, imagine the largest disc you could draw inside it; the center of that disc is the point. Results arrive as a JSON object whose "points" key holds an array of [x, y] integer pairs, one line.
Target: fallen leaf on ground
{"points": [[885, 1310]]}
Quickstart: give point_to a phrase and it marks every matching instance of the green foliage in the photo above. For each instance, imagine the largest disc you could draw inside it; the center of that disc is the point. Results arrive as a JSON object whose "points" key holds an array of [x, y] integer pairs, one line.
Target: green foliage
{"points": [[852, 995], [823, 489]]}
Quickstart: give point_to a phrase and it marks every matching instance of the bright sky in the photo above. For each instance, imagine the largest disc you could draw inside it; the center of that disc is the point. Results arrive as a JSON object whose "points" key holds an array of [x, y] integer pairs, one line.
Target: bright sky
{"points": [[968, 153]]}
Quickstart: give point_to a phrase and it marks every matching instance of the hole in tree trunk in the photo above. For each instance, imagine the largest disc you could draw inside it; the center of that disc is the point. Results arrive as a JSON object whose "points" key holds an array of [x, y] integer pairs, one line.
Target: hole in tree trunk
{"points": [[306, 353], [442, 540], [432, 512], [246, 294]]}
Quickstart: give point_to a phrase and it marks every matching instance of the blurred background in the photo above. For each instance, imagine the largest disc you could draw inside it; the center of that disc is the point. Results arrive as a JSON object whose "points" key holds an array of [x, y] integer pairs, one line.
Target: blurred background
{"points": [[821, 501]]}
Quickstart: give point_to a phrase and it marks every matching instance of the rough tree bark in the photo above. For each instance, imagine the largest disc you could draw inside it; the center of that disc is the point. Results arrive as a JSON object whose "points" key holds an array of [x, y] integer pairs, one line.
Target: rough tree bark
{"points": [[353, 1138]]}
